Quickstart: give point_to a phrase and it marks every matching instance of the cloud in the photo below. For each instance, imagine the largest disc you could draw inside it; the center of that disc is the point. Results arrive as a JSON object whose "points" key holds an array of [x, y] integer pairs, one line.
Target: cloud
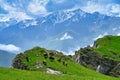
{"points": [[66, 36], [100, 36], [104, 7], [13, 12], [71, 51], [118, 34], [59, 1], [9, 47], [114, 29], [19, 16], [38, 7]]}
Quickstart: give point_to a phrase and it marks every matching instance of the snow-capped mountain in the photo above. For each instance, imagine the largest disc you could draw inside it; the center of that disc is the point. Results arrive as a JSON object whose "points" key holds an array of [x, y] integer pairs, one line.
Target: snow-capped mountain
{"points": [[64, 30]]}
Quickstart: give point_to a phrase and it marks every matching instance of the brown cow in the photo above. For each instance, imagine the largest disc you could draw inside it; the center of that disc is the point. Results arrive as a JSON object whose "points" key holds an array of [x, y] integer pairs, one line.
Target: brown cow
{"points": [[44, 62], [45, 55], [51, 58], [59, 59]]}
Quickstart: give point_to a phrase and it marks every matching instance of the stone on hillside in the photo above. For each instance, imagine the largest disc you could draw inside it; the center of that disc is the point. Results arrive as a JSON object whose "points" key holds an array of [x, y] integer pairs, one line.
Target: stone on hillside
{"points": [[51, 71]]}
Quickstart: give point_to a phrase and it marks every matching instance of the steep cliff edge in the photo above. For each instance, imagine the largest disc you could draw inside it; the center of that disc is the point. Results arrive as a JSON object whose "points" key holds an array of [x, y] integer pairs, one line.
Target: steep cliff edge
{"points": [[102, 57]]}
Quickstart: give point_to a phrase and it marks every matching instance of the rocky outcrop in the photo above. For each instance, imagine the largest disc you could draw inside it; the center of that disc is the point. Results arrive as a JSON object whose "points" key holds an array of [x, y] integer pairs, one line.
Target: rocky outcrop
{"points": [[115, 71], [19, 63], [40, 59], [91, 59], [95, 45]]}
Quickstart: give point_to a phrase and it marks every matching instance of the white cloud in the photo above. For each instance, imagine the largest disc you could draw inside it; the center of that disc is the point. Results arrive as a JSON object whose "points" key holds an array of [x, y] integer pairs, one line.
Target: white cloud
{"points": [[66, 36], [71, 51], [114, 29], [13, 12], [110, 9], [118, 34], [100, 36], [115, 8], [38, 7], [91, 7], [19, 16], [9, 47], [59, 1]]}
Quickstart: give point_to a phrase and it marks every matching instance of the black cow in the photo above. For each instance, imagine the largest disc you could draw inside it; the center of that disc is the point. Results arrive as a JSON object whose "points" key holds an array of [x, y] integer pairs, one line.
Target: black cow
{"points": [[51, 58], [65, 63], [44, 62], [45, 55], [27, 59]]}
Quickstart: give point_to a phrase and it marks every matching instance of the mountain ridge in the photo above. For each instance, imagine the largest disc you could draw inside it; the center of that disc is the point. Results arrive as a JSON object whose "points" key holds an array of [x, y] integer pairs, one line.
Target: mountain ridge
{"points": [[43, 29]]}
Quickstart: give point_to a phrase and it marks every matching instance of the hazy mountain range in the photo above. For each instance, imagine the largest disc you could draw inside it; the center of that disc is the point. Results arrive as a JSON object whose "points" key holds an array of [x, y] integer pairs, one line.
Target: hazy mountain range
{"points": [[25, 24], [6, 58]]}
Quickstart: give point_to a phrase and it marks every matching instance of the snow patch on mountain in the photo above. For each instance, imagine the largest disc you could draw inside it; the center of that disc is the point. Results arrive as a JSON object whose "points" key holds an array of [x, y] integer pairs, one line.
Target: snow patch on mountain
{"points": [[32, 23]]}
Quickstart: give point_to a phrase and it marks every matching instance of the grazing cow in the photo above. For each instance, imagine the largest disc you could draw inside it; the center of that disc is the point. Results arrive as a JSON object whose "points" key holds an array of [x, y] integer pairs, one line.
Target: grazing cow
{"points": [[44, 62], [52, 54], [45, 55], [51, 58], [27, 59], [59, 59], [64, 63]]}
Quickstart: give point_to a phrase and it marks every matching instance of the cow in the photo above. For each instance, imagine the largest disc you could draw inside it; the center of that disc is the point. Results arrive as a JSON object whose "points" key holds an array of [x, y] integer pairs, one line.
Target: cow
{"points": [[59, 59], [44, 62], [65, 63], [27, 59], [45, 55], [51, 58]]}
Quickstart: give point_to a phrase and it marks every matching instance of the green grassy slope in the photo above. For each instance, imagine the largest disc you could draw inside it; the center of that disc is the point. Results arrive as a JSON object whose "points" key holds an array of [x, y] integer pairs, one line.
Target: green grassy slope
{"points": [[71, 72], [109, 46], [75, 73]]}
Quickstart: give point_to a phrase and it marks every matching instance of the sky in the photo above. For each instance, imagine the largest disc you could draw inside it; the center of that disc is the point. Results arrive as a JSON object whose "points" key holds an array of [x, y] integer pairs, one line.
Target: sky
{"points": [[29, 9]]}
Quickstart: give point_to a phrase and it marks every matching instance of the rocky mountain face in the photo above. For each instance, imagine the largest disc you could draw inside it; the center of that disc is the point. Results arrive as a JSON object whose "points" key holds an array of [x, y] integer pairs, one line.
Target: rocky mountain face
{"points": [[89, 58]]}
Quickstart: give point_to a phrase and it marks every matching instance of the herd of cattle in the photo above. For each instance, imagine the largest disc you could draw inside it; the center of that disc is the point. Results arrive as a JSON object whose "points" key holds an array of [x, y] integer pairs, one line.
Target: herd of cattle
{"points": [[51, 57]]}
